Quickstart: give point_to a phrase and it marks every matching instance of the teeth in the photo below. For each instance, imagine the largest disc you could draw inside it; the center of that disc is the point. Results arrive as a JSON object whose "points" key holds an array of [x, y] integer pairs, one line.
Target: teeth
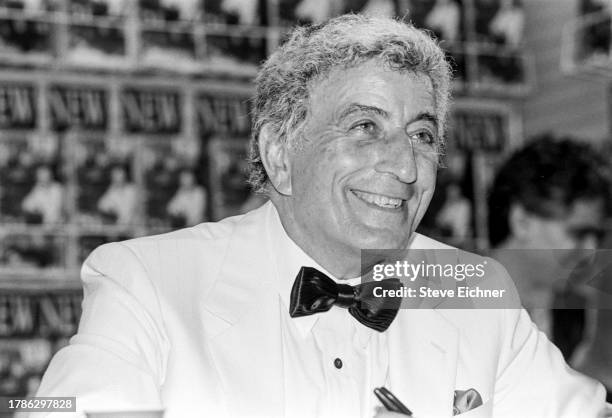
{"points": [[379, 200]]}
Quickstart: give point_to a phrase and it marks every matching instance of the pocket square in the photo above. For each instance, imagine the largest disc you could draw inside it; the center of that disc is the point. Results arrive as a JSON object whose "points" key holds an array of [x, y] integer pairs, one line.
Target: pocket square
{"points": [[466, 400]]}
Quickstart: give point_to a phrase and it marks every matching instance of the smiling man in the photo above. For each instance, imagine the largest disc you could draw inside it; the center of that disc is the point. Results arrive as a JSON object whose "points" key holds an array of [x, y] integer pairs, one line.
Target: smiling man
{"points": [[258, 315]]}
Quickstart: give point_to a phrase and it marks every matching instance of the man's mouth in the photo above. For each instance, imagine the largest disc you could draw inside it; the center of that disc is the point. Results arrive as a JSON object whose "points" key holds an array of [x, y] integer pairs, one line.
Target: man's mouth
{"points": [[379, 200]]}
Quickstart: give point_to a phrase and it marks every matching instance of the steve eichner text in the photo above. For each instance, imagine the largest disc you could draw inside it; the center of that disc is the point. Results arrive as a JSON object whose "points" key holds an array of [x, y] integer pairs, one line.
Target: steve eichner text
{"points": [[426, 292], [410, 271]]}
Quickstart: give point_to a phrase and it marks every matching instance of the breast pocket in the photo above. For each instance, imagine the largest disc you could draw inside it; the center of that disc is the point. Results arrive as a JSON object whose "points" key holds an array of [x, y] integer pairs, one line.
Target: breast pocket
{"points": [[484, 410]]}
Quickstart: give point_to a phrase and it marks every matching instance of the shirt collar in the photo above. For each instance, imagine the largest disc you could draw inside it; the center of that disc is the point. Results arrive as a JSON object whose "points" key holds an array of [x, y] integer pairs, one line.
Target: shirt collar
{"points": [[289, 258]]}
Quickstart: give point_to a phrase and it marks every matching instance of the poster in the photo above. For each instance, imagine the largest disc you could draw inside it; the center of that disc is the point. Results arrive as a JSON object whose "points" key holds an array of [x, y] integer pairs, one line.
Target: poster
{"points": [[34, 325], [96, 42], [151, 110], [499, 28], [174, 194], [34, 252], [171, 47], [32, 185], [78, 107], [18, 105], [25, 38], [105, 186]]}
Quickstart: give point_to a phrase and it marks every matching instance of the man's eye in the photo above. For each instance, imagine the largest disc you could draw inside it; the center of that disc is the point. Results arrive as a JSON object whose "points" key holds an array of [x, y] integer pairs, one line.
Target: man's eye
{"points": [[423, 137], [366, 126]]}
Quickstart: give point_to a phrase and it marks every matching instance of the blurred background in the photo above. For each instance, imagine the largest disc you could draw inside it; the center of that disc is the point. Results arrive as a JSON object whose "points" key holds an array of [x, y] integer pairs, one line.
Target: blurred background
{"points": [[123, 118]]}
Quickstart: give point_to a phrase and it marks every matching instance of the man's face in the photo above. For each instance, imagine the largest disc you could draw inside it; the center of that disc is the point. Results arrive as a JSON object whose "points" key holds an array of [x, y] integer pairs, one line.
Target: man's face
{"points": [[365, 171]]}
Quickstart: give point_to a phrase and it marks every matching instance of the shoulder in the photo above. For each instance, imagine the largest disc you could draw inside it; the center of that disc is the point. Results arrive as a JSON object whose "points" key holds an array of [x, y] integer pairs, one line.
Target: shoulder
{"points": [[482, 287], [194, 252]]}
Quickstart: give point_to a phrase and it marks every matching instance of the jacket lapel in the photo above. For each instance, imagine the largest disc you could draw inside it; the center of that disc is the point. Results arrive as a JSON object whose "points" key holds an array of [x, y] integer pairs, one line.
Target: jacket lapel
{"points": [[423, 351], [246, 341]]}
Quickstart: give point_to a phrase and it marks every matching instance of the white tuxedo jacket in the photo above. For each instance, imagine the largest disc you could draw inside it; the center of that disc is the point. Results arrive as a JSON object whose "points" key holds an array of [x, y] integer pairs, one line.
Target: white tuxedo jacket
{"points": [[189, 321]]}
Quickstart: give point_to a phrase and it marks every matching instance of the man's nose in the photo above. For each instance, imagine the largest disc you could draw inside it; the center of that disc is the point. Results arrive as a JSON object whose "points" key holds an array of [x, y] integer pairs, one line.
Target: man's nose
{"points": [[398, 158]]}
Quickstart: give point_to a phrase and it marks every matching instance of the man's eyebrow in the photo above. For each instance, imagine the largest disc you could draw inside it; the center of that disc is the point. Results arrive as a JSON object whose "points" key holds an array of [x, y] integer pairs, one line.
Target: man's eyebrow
{"points": [[425, 117], [357, 107]]}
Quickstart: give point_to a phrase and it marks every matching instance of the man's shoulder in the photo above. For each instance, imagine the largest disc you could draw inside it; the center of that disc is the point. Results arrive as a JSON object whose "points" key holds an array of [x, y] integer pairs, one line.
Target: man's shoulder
{"points": [[482, 281], [203, 245]]}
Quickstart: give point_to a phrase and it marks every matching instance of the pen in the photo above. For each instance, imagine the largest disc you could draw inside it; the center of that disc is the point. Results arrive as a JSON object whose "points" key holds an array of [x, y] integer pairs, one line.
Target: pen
{"points": [[390, 402]]}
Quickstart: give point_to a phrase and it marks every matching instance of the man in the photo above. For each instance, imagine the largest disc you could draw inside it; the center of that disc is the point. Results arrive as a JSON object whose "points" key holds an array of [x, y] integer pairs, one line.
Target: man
{"points": [[349, 118], [550, 194]]}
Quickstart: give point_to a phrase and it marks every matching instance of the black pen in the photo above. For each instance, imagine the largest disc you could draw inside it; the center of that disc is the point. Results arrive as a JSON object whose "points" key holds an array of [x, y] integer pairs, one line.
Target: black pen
{"points": [[390, 402]]}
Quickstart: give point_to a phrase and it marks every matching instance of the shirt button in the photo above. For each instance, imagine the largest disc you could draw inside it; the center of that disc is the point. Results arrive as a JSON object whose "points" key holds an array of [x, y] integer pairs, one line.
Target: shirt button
{"points": [[338, 363]]}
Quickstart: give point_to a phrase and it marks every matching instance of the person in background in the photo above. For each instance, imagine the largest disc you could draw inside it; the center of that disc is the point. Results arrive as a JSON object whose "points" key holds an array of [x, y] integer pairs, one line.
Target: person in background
{"points": [[593, 355], [44, 202], [188, 205], [549, 195]]}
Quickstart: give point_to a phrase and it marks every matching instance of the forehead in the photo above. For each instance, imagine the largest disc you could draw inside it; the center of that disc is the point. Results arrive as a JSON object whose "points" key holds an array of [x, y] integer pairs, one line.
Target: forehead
{"points": [[372, 83]]}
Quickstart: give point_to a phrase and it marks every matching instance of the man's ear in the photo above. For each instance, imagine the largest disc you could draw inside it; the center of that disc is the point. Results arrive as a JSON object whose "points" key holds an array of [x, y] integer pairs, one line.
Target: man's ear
{"points": [[275, 158], [521, 222]]}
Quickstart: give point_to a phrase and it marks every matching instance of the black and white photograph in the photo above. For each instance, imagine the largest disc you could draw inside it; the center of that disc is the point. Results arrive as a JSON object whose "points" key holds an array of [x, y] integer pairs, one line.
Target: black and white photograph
{"points": [[305, 208]]}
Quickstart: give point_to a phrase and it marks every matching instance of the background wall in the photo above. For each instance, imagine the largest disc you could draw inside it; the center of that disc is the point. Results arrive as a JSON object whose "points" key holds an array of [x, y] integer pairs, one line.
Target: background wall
{"points": [[560, 103]]}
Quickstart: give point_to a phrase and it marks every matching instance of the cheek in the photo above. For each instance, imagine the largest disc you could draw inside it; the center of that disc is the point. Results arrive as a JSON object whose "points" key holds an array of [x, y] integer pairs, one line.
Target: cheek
{"points": [[427, 171]]}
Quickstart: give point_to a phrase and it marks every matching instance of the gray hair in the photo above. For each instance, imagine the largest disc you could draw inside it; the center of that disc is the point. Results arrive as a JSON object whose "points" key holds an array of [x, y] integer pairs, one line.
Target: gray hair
{"points": [[281, 99]]}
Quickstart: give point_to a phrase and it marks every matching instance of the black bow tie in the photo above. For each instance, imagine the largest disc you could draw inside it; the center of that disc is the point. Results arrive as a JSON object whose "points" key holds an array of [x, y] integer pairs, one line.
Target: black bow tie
{"points": [[314, 292]]}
